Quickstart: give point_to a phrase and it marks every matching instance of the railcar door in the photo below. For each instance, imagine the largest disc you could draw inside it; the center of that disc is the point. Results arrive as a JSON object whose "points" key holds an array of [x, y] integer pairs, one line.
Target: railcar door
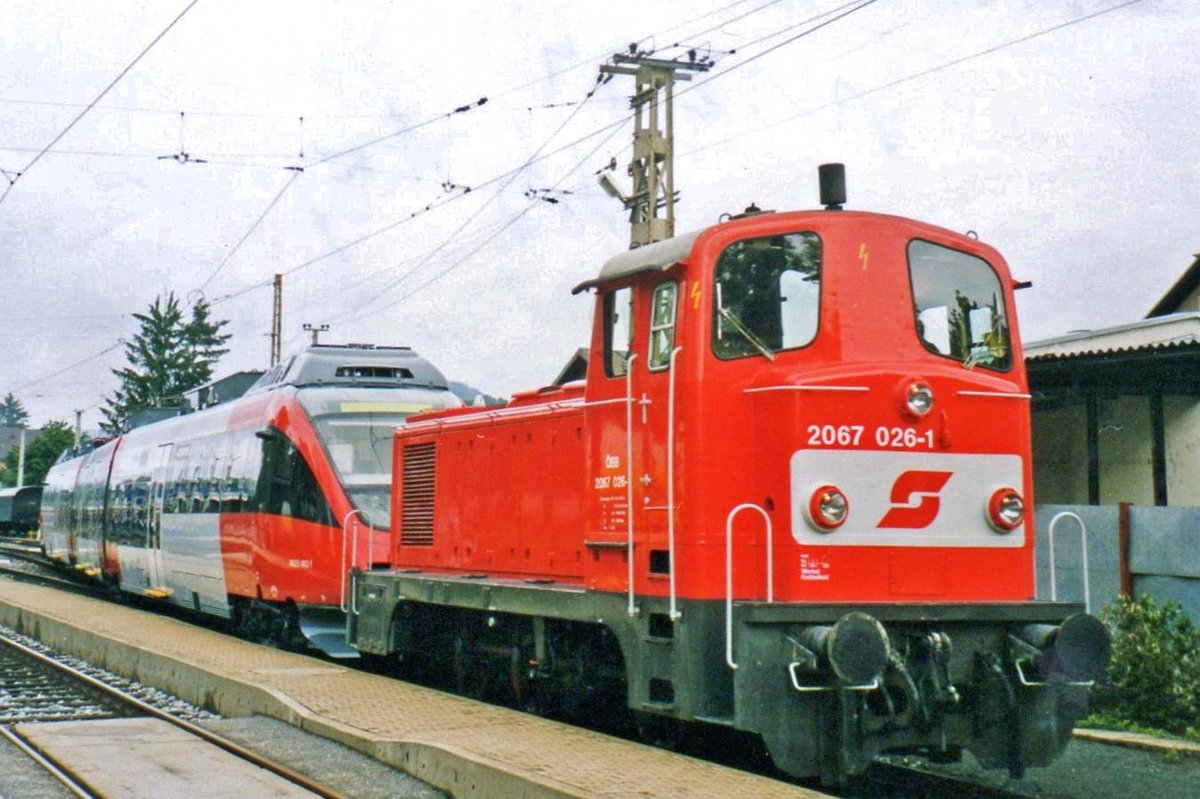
{"points": [[155, 573], [655, 427]]}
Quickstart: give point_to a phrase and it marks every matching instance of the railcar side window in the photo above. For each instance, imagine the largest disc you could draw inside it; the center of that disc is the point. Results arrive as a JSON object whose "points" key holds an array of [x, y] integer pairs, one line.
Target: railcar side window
{"points": [[766, 295], [959, 306], [287, 486], [662, 324], [618, 330]]}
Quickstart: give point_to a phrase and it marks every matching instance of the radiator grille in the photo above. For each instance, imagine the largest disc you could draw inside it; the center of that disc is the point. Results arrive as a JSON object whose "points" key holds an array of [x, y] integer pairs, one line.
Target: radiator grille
{"points": [[416, 521]]}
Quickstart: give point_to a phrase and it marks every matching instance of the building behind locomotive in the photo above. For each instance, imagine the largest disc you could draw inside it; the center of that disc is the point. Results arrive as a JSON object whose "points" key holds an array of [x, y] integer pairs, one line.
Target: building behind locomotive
{"points": [[792, 491]]}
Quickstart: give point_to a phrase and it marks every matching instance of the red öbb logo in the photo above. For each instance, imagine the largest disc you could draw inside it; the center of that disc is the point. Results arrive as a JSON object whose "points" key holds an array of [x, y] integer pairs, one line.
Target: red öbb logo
{"points": [[915, 501]]}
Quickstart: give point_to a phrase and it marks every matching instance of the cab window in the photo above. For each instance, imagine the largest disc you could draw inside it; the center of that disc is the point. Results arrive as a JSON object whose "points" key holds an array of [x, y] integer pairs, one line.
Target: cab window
{"points": [[959, 306], [618, 330], [662, 324], [766, 295]]}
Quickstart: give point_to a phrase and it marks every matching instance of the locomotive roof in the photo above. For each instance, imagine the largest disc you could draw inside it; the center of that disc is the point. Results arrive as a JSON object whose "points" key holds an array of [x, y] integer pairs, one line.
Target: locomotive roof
{"points": [[352, 364], [659, 256]]}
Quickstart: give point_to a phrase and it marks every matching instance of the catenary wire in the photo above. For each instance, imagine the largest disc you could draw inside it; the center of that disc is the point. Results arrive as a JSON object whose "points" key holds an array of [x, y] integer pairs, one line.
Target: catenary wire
{"points": [[624, 119], [378, 140], [510, 175], [914, 76], [13, 181]]}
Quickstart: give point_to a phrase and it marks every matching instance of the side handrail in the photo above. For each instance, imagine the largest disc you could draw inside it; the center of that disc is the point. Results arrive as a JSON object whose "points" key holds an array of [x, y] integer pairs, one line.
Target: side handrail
{"points": [[1087, 604], [729, 573], [344, 601], [632, 609], [675, 614]]}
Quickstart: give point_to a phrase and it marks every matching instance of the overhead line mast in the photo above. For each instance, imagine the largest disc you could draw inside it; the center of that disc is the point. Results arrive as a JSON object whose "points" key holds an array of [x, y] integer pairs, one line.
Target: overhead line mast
{"points": [[652, 167]]}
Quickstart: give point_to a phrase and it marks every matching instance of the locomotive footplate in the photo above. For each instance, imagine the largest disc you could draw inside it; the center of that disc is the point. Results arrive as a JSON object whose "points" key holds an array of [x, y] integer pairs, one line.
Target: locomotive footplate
{"points": [[829, 686]]}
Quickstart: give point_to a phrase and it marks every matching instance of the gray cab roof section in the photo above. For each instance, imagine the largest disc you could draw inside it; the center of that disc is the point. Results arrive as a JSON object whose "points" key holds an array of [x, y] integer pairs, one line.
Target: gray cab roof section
{"points": [[353, 364], [659, 256]]}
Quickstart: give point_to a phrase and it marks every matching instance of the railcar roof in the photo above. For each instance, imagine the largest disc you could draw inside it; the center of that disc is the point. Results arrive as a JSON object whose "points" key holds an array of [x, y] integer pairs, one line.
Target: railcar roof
{"points": [[659, 256], [352, 364]]}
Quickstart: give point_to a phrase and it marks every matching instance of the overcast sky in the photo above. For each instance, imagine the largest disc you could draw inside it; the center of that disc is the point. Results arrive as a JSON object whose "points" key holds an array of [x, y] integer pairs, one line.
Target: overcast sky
{"points": [[1074, 152]]}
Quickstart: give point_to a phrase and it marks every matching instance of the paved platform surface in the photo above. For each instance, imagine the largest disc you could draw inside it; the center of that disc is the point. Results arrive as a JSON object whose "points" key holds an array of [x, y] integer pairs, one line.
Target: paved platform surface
{"points": [[1139, 740], [149, 759], [465, 748]]}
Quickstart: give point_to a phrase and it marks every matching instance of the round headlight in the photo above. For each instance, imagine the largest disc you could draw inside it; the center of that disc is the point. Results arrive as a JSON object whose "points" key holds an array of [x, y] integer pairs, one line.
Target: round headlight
{"points": [[828, 508], [1006, 509], [918, 399]]}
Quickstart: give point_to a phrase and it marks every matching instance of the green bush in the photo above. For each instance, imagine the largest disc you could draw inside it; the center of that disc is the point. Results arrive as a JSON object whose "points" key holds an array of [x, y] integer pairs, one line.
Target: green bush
{"points": [[1154, 676]]}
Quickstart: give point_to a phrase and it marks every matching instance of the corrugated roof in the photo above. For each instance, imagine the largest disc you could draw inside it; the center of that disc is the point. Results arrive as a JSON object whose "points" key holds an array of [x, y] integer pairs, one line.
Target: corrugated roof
{"points": [[1185, 285], [1157, 333]]}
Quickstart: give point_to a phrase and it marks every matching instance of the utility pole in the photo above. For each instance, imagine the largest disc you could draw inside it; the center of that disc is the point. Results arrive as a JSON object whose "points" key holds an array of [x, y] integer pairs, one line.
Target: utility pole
{"points": [[652, 167], [277, 320], [78, 426], [316, 331], [21, 459]]}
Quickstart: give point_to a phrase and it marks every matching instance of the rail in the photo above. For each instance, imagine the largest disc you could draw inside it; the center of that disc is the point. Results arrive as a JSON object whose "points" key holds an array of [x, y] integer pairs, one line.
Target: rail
{"points": [[729, 573], [1083, 550], [146, 709]]}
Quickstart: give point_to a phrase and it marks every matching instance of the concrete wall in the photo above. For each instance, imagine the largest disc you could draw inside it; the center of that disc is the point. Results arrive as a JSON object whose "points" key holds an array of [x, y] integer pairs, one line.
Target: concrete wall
{"points": [[1060, 456], [1181, 420], [1164, 554], [1125, 436], [1126, 474]]}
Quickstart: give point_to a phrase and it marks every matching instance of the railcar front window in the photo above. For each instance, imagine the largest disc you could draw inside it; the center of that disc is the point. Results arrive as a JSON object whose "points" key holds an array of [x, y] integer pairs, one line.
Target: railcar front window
{"points": [[360, 448], [959, 306], [767, 295]]}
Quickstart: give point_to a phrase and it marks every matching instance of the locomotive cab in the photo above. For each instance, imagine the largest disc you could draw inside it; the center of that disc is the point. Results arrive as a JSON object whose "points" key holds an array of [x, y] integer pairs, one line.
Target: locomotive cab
{"points": [[823, 448]]}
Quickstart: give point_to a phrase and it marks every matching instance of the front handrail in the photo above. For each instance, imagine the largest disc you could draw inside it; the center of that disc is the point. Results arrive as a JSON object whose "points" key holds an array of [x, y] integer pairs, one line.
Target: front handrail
{"points": [[729, 573], [867, 686], [344, 601], [1087, 604], [1028, 683]]}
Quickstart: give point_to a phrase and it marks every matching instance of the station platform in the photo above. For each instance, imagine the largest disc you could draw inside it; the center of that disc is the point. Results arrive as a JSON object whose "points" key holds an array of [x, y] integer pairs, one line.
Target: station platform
{"points": [[465, 748]]}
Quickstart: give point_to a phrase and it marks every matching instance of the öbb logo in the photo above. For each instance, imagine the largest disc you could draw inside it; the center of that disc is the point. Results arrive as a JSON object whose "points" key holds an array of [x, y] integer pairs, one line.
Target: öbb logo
{"points": [[915, 501]]}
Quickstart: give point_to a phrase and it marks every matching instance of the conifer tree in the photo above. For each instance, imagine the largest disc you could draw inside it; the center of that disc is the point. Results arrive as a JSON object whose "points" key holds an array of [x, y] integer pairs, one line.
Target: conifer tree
{"points": [[12, 412], [169, 355]]}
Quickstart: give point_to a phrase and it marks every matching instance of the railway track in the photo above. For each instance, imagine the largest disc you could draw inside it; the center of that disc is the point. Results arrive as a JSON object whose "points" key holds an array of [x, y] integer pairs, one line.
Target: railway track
{"points": [[908, 777], [888, 778], [40, 688], [26, 562]]}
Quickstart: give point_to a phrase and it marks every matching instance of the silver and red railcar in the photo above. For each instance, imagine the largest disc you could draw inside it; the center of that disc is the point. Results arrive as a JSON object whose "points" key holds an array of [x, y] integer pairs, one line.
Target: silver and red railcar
{"points": [[243, 510], [790, 498]]}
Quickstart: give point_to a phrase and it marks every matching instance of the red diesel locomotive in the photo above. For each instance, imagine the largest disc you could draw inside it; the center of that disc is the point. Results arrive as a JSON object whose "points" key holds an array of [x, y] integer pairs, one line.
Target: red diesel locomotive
{"points": [[249, 510], [790, 498]]}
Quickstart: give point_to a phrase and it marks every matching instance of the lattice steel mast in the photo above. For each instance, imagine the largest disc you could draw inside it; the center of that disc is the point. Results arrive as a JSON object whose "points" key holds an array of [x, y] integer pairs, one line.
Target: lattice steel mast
{"points": [[652, 167]]}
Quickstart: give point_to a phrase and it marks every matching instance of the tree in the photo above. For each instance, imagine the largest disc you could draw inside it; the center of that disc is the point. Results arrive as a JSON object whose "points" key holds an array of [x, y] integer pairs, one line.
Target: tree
{"points": [[167, 356], [40, 454], [205, 344], [12, 412]]}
